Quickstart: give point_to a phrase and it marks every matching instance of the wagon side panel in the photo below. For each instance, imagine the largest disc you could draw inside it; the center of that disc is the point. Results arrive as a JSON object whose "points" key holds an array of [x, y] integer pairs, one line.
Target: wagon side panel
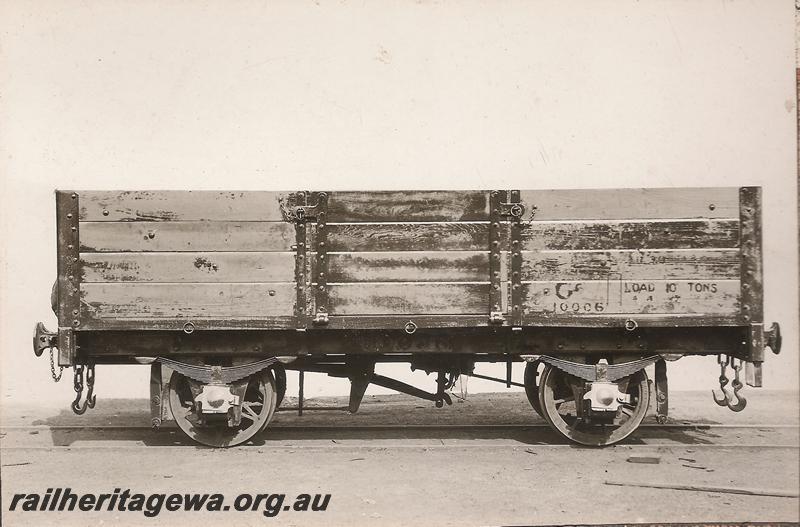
{"points": [[387, 256], [594, 256], [167, 258]]}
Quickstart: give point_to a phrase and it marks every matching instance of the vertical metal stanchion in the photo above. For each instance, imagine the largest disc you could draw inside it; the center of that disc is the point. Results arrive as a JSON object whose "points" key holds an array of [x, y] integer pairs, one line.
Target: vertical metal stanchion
{"points": [[300, 393]]}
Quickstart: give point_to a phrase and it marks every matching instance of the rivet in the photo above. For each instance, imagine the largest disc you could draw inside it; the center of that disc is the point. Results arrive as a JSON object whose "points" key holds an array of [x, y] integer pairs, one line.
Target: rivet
{"points": [[547, 291], [74, 311], [322, 275], [495, 243], [76, 322], [712, 206], [321, 256], [74, 196], [70, 246], [69, 216], [495, 225], [105, 212], [322, 288], [322, 244], [516, 308], [560, 346], [151, 235], [73, 229], [271, 292], [71, 278], [496, 287]]}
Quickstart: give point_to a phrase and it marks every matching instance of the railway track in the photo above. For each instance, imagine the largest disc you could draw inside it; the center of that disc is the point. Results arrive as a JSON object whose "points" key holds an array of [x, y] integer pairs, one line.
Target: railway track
{"points": [[393, 436]]}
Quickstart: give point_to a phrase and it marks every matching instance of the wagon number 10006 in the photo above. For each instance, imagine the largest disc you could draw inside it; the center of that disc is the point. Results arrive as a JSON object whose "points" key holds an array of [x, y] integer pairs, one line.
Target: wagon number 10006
{"points": [[579, 307]]}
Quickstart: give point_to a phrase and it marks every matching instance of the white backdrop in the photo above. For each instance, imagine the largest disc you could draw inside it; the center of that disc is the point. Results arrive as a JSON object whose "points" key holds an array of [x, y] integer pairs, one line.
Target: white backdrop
{"points": [[386, 95]]}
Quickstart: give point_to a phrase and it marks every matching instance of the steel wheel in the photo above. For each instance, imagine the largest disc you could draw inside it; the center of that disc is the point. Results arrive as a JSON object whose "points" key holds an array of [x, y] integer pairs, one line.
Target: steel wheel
{"points": [[558, 392], [276, 399], [258, 406], [531, 386]]}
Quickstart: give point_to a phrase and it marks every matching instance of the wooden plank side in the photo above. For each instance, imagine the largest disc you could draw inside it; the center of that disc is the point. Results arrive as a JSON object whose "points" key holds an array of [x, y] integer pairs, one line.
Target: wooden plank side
{"points": [[246, 267], [631, 265], [718, 297], [408, 299], [145, 236], [620, 204], [182, 205], [408, 206], [457, 266], [409, 237], [689, 234], [124, 300]]}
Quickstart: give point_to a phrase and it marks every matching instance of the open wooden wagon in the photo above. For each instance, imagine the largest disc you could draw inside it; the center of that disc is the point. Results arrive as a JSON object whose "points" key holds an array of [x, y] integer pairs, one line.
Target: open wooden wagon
{"points": [[221, 292]]}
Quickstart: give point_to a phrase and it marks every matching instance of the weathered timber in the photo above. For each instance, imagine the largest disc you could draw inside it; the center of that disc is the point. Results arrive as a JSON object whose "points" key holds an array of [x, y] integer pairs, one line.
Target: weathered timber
{"points": [[451, 236], [245, 267], [408, 206], [180, 205], [176, 324], [460, 266], [622, 296], [191, 300], [408, 298], [687, 234], [621, 204], [631, 265], [144, 236]]}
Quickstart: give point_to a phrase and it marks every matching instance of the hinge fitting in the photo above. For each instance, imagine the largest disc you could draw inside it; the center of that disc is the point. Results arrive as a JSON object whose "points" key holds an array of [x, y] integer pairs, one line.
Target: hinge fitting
{"points": [[513, 210]]}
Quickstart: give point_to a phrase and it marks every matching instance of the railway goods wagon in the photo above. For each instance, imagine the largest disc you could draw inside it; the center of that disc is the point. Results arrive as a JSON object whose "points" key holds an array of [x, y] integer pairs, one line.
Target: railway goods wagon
{"points": [[222, 292]]}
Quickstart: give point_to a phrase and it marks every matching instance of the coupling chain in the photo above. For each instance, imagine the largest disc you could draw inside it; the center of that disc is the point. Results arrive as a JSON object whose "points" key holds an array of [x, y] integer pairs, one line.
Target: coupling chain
{"points": [[56, 377]]}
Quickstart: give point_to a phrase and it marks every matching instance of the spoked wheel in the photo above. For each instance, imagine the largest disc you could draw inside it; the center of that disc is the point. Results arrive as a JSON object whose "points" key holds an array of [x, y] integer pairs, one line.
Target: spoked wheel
{"points": [[258, 407], [558, 393], [532, 386]]}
